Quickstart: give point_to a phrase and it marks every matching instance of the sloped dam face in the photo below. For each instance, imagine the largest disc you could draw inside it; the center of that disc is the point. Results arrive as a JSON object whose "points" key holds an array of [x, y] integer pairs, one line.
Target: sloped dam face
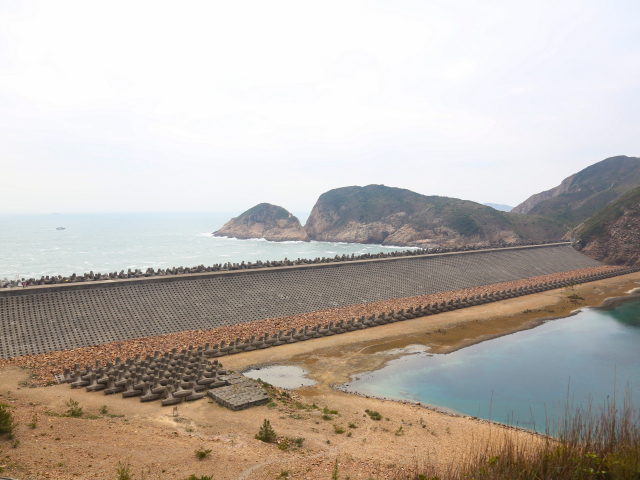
{"points": [[55, 317]]}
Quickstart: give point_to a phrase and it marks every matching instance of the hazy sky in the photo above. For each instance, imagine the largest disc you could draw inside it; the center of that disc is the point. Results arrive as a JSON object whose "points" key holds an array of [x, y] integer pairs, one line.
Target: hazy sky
{"points": [[216, 106]]}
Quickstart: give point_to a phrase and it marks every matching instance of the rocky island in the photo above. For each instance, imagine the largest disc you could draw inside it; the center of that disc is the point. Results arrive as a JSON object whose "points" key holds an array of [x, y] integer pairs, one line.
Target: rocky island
{"points": [[267, 221]]}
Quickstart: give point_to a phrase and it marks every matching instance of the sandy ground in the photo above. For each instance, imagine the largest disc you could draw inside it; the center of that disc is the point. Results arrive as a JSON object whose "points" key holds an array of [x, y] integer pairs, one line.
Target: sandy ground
{"points": [[159, 445]]}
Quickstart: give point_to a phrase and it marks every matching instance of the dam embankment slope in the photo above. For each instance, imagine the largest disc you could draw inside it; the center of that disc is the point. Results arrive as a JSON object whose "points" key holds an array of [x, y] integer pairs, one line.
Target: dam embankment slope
{"points": [[58, 317]]}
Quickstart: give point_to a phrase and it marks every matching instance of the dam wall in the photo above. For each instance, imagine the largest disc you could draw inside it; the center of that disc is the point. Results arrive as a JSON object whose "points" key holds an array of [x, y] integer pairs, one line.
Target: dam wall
{"points": [[57, 317]]}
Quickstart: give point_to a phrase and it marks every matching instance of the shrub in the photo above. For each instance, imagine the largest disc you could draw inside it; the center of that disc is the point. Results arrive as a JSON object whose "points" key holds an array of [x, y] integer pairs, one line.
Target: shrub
{"points": [[7, 423], [123, 470], [337, 429], [34, 422], [75, 410], [203, 477], [104, 410], [201, 453], [284, 445], [353, 425], [373, 415], [266, 433]]}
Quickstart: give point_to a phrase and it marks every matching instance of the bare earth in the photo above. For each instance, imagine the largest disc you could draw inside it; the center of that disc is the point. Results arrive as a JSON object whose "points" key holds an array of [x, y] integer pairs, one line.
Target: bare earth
{"points": [[161, 446]]}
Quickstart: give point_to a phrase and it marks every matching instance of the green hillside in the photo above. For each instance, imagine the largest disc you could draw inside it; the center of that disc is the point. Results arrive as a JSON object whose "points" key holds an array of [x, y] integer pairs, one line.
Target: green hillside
{"points": [[585, 193], [407, 217]]}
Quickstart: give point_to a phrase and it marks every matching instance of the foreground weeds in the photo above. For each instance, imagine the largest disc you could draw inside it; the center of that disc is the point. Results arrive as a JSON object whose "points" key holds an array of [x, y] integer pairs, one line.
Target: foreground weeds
{"points": [[586, 444]]}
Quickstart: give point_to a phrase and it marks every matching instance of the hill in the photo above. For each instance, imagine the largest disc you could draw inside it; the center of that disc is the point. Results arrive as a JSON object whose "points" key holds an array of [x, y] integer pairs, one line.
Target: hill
{"points": [[267, 221], [396, 216], [612, 235], [583, 194]]}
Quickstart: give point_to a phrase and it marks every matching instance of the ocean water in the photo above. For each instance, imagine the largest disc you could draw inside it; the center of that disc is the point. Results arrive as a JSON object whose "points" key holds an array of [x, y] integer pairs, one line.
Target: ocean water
{"points": [[31, 246], [524, 378]]}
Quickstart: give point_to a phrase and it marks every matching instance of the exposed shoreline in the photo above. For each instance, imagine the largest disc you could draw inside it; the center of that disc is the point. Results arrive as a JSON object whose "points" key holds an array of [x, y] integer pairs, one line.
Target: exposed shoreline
{"points": [[607, 303]]}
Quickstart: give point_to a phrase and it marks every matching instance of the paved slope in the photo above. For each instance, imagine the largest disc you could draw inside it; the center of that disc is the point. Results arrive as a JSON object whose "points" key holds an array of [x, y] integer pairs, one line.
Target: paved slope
{"points": [[96, 314]]}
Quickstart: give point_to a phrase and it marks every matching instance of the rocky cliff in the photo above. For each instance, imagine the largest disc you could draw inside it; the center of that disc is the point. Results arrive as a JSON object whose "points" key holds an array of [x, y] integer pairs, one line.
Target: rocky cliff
{"points": [[613, 234], [583, 194], [267, 221], [395, 216]]}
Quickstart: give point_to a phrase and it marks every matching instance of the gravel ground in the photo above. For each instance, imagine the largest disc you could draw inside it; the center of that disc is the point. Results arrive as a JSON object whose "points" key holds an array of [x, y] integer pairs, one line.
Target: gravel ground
{"points": [[43, 367]]}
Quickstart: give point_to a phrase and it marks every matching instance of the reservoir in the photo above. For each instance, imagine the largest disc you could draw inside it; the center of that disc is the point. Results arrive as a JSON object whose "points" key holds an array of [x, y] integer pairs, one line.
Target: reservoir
{"points": [[524, 378]]}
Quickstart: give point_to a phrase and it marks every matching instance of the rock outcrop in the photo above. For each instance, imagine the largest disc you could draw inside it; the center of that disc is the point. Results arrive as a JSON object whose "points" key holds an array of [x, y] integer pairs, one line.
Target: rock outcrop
{"points": [[583, 194], [395, 216], [613, 234], [267, 221]]}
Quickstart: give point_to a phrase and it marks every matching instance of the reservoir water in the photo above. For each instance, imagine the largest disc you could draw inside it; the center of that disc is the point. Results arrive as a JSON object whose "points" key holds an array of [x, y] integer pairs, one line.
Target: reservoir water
{"points": [[526, 375], [32, 245]]}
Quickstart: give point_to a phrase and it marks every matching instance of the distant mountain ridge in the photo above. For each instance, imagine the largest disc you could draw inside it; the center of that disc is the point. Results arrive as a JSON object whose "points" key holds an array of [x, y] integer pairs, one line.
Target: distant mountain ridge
{"points": [[582, 194], [499, 206]]}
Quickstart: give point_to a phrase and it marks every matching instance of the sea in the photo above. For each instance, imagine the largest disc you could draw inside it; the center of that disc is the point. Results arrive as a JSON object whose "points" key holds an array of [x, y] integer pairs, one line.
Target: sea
{"points": [[63, 244]]}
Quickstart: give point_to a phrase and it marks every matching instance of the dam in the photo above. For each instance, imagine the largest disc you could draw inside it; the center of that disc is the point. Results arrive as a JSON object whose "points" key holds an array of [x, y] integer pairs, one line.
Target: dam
{"points": [[49, 318]]}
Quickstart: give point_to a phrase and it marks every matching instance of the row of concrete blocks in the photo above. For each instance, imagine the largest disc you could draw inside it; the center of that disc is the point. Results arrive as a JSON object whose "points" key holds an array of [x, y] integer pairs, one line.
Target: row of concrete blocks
{"points": [[294, 335], [171, 378], [150, 272], [193, 368]]}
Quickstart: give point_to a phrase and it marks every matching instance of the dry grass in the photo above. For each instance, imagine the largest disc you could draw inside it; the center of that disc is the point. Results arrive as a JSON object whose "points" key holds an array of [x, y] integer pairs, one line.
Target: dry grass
{"points": [[586, 444]]}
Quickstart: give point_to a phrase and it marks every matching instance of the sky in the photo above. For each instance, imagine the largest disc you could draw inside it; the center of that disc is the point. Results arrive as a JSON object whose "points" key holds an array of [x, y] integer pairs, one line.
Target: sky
{"points": [[217, 106]]}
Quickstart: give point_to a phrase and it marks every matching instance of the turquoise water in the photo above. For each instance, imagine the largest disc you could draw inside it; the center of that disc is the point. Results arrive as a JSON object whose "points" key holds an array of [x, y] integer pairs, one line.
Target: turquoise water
{"points": [[30, 245], [525, 375]]}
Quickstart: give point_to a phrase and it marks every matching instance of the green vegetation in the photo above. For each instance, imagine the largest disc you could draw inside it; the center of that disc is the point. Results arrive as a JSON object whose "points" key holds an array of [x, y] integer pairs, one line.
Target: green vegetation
{"points": [[201, 453], [288, 443], [334, 475], [74, 410], [595, 228], [34, 421], [591, 190], [266, 212], [104, 410], [373, 415], [123, 471], [266, 433], [7, 423], [427, 215], [203, 477], [353, 425], [338, 429]]}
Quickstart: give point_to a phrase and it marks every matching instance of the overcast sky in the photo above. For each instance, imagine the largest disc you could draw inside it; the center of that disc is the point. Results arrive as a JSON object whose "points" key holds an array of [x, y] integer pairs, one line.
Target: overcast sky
{"points": [[216, 106]]}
